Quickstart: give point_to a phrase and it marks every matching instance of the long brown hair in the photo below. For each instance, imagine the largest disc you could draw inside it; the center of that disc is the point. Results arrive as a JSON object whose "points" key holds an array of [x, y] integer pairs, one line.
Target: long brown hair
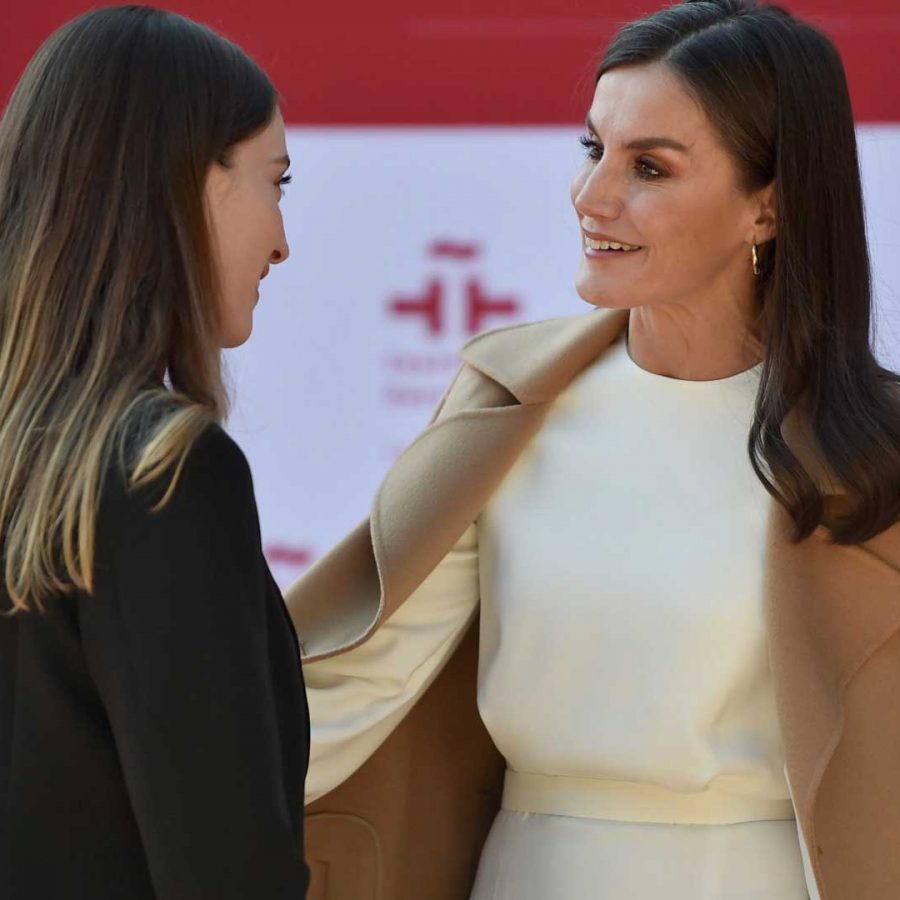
{"points": [[775, 89], [107, 282]]}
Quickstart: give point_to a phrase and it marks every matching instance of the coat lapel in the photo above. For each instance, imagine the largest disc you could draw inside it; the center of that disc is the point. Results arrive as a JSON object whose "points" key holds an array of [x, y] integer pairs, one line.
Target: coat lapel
{"points": [[441, 482], [537, 360]]}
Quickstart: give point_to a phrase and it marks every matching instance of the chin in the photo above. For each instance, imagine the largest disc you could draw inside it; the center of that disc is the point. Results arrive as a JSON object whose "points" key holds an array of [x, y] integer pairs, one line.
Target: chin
{"points": [[236, 336], [596, 296]]}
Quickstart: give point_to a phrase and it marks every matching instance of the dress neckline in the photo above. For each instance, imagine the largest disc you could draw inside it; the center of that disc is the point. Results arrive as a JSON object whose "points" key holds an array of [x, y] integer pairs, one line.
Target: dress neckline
{"points": [[746, 376]]}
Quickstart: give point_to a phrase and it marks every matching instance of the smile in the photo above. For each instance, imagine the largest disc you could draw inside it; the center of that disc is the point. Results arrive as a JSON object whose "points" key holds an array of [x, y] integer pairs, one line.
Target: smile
{"points": [[609, 245]]}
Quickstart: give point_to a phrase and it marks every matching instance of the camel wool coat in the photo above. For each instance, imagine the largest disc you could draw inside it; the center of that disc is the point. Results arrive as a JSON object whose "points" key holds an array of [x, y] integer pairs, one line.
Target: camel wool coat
{"points": [[409, 824]]}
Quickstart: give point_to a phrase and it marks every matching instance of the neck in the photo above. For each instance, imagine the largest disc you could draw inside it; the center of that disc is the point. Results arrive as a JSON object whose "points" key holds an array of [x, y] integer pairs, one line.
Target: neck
{"points": [[692, 344]]}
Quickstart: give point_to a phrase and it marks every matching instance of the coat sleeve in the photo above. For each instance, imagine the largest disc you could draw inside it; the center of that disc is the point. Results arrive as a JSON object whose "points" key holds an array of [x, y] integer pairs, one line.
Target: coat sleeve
{"points": [[357, 698], [177, 641]]}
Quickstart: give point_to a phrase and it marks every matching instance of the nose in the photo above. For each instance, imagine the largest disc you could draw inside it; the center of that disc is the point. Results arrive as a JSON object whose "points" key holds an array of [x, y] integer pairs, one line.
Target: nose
{"points": [[599, 194], [280, 253]]}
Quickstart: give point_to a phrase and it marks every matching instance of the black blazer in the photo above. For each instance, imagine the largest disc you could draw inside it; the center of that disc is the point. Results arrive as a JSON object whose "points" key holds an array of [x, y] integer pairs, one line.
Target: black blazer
{"points": [[154, 737]]}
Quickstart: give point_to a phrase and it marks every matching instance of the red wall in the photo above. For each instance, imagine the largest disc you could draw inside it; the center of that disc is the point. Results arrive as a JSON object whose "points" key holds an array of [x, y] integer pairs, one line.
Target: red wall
{"points": [[458, 61]]}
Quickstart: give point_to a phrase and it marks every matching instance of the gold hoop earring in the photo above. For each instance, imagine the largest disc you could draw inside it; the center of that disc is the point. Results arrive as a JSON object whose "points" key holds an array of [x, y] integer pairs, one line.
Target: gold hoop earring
{"points": [[756, 269]]}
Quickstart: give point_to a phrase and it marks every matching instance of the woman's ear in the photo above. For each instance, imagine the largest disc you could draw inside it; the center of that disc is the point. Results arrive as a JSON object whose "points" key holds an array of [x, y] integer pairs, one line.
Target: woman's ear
{"points": [[766, 217]]}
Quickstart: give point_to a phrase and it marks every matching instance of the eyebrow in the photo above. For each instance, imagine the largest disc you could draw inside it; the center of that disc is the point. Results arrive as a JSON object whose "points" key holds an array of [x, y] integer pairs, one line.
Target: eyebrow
{"points": [[283, 160], [645, 143]]}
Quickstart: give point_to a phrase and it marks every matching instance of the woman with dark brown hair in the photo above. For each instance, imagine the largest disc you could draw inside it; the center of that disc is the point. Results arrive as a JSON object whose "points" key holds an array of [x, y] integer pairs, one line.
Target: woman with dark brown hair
{"points": [[676, 516], [153, 723]]}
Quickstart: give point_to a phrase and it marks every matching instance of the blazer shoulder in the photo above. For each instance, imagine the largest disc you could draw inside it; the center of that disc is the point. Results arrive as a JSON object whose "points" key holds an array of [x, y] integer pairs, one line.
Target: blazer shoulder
{"points": [[213, 476], [215, 454]]}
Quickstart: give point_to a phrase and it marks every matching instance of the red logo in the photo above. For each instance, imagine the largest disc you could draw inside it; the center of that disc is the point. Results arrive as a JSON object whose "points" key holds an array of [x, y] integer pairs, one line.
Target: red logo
{"points": [[432, 305]]}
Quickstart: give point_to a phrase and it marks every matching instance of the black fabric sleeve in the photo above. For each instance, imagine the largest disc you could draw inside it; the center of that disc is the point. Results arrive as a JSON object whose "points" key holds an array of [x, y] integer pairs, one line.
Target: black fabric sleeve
{"points": [[176, 637]]}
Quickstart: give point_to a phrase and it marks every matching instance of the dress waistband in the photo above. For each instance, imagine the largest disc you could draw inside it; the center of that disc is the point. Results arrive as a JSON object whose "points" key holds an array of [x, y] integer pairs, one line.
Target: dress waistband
{"points": [[631, 801]]}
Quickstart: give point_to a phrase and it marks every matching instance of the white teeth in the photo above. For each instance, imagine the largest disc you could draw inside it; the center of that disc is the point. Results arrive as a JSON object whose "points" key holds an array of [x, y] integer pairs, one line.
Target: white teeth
{"points": [[608, 245]]}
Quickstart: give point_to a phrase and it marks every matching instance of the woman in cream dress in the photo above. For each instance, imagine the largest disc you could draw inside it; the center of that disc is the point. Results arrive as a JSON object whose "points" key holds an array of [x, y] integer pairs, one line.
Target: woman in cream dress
{"points": [[631, 697]]}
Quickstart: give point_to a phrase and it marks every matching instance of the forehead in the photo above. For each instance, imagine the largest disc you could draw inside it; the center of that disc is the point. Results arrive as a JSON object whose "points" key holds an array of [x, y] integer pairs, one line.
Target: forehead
{"points": [[634, 101], [267, 143]]}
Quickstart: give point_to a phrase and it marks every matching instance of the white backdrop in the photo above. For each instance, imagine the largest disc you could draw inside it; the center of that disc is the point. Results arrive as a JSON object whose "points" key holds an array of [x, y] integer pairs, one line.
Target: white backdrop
{"points": [[403, 243]]}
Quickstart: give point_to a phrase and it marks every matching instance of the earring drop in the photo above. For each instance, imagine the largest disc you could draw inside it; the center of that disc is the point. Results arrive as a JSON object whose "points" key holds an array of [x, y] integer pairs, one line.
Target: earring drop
{"points": [[756, 269]]}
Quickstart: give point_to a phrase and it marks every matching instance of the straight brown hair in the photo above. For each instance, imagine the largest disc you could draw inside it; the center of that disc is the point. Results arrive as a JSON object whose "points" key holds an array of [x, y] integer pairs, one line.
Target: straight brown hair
{"points": [[109, 318]]}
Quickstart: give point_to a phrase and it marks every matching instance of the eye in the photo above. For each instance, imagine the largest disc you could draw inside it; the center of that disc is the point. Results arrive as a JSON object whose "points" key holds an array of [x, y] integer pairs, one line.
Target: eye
{"points": [[283, 182], [594, 149], [647, 170]]}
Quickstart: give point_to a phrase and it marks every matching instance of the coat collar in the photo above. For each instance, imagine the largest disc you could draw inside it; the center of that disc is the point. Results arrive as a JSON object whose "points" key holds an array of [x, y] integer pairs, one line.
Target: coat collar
{"points": [[537, 360]]}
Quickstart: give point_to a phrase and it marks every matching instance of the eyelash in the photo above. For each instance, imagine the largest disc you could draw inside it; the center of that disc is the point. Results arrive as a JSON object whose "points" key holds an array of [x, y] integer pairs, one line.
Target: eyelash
{"points": [[283, 182], [594, 150]]}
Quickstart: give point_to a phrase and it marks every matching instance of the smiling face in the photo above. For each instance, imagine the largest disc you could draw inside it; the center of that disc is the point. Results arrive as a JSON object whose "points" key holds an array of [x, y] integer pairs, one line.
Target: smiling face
{"points": [[658, 180], [247, 230]]}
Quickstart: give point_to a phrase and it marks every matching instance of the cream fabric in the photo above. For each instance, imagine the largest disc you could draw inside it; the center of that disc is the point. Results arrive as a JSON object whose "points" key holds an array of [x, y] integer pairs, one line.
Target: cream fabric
{"points": [[563, 858], [358, 697], [635, 801], [599, 659]]}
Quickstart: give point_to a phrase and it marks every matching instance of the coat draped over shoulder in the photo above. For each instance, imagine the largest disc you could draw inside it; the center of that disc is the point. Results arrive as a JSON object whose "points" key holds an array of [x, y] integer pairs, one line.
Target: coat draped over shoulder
{"points": [[411, 821]]}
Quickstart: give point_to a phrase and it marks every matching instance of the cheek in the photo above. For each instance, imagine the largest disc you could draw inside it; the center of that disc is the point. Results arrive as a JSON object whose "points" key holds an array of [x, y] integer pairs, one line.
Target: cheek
{"points": [[242, 248], [712, 237], [658, 221], [681, 224], [231, 232], [249, 237]]}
